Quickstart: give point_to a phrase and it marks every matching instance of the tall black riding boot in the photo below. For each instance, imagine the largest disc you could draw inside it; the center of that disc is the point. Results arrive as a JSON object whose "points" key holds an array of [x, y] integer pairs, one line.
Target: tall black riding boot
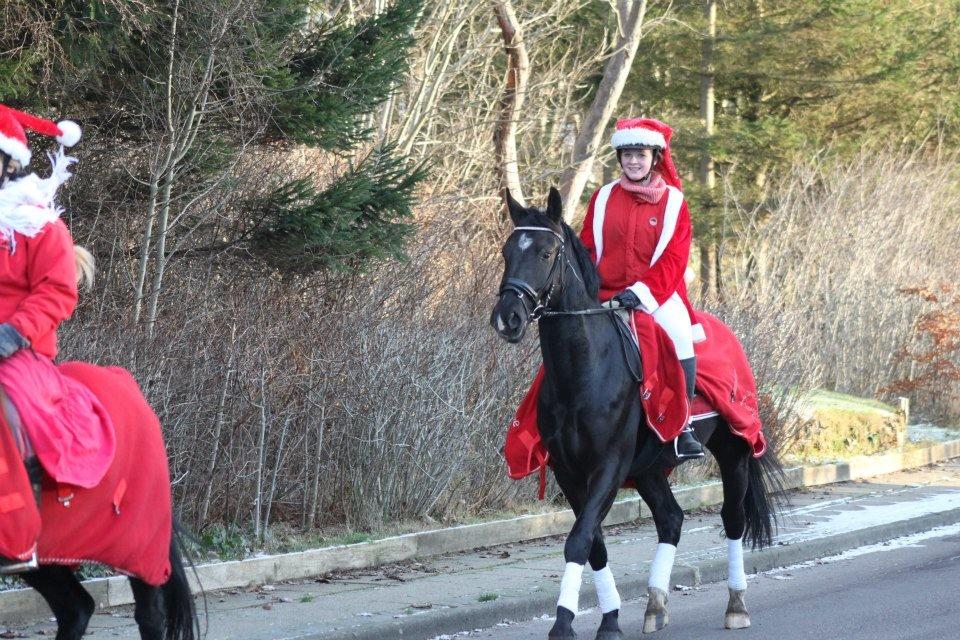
{"points": [[686, 446], [35, 474]]}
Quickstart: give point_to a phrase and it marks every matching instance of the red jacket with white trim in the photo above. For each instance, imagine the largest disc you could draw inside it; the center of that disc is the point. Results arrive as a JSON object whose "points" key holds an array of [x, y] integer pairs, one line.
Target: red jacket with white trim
{"points": [[38, 285], [641, 246]]}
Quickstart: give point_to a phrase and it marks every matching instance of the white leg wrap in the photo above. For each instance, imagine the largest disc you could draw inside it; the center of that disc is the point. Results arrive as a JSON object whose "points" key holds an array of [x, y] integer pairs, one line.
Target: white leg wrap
{"points": [[662, 566], [570, 586], [736, 578], [606, 590]]}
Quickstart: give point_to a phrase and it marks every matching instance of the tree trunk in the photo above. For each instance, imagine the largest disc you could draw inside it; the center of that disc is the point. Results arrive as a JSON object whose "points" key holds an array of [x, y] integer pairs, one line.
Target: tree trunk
{"points": [[706, 174], [630, 14], [514, 92]]}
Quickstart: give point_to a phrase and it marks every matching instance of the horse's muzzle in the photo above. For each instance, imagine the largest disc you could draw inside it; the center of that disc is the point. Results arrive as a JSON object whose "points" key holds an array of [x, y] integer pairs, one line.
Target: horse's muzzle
{"points": [[509, 317]]}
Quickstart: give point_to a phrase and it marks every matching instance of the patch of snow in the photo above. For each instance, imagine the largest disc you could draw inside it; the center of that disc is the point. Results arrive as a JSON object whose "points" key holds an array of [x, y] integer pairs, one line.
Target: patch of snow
{"points": [[903, 542], [876, 514]]}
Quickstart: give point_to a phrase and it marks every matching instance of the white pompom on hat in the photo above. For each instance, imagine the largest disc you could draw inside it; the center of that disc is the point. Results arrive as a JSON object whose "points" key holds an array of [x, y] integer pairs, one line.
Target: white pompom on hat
{"points": [[13, 137]]}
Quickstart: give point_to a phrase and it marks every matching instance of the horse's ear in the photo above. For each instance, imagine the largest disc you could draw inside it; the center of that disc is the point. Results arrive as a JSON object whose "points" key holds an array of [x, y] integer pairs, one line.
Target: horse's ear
{"points": [[515, 208], [554, 205]]}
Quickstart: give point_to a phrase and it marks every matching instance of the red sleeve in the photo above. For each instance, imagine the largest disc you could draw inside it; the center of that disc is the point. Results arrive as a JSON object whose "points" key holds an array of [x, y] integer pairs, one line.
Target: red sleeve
{"points": [[52, 280], [666, 275], [586, 232]]}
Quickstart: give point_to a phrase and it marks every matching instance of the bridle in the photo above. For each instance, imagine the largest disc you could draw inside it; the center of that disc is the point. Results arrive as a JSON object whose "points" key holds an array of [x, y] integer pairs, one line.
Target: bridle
{"points": [[525, 291]]}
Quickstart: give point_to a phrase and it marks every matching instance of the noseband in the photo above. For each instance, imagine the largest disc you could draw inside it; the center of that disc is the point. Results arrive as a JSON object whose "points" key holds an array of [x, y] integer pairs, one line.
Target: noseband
{"points": [[525, 291]]}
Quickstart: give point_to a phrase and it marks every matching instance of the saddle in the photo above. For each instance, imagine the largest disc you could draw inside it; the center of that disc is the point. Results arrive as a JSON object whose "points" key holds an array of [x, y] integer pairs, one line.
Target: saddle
{"points": [[12, 418]]}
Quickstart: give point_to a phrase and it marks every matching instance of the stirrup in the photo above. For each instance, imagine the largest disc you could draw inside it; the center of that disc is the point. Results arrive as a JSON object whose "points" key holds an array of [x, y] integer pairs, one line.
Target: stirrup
{"points": [[687, 456], [18, 566]]}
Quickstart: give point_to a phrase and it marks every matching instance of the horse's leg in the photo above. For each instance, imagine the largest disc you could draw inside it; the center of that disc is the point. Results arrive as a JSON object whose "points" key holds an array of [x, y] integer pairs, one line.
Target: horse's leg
{"points": [[590, 501], [607, 593], [733, 457], [149, 610], [668, 517], [72, 606]]}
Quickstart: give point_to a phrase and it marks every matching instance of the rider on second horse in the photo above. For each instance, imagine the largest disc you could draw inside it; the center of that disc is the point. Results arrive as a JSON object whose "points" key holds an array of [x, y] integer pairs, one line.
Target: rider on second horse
{"points": [[38, 270], [638, 232]]}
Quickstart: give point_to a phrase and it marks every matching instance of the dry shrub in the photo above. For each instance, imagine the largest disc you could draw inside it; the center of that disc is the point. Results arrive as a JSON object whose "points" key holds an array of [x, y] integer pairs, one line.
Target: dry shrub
{"points": [[816, 279], [341, 401]]}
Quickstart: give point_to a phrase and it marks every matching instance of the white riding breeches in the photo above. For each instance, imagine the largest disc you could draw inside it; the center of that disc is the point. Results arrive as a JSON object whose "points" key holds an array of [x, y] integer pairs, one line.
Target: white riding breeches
{"points": [[673, 317]]}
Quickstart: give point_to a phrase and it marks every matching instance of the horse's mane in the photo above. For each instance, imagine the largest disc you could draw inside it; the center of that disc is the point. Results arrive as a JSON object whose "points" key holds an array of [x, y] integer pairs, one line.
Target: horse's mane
{"points": [[591, 280]]}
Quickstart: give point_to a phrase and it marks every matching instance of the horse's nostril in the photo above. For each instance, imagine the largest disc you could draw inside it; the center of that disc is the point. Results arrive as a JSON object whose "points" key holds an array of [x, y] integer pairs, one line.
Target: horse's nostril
{"points": [[514, 320]]}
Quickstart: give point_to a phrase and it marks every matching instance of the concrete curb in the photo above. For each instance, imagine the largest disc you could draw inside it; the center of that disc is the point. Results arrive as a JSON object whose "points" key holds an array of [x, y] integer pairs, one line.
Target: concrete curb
{"points": [[485, 615], [24, 604]]}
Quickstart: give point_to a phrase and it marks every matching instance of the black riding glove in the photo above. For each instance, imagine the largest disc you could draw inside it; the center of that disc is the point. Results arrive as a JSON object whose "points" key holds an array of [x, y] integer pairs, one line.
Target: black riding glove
{"points": [[10, 340], [627, 299]]}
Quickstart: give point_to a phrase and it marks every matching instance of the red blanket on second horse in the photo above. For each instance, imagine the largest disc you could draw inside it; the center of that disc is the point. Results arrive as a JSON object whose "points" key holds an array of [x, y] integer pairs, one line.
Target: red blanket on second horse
{"points": [[724, 379], [125, 520]]}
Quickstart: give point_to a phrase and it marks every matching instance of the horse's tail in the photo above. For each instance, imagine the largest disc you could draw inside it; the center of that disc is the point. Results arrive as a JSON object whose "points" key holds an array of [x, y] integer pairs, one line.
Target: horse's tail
{"points": [[765, 498], [86, 267], [182, 621]]}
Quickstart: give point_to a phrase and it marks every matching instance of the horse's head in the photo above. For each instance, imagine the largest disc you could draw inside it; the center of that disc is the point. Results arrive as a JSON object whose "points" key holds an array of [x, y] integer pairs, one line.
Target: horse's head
{"points": [[533, 266]]}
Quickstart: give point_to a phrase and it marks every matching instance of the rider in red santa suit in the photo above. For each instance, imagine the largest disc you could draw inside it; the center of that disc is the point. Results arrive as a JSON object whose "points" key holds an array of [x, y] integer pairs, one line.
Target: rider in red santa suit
{"points": [[38, 267], [38, 278], [638, 232]]}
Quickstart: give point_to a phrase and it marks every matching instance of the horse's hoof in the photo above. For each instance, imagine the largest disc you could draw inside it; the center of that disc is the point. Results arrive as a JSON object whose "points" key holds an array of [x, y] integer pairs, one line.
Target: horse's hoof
{"points": [[655, 617], [610, 627], [736, 616], [561, 627], [736, 621]]}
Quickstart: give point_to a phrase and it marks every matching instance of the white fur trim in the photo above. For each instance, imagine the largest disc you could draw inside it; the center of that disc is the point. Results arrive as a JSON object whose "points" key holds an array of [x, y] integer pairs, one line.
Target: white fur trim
{"points": [[69, 133], [636, 137], [736, 578], [642, 291], [607, 593], [15, 149], [699, 335], [27, 205], [599, 213], [673, 317], [662, 566], [570, 587], [670, 217]]}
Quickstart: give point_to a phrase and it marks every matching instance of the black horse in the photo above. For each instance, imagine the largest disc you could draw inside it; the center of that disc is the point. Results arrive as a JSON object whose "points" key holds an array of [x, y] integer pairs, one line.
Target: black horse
{"points": [[162, 613], [590, 417]]}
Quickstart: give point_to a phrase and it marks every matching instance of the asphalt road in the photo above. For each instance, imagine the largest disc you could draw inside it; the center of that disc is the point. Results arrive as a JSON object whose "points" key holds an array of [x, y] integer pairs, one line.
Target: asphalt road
{"points": [[907, 589]]}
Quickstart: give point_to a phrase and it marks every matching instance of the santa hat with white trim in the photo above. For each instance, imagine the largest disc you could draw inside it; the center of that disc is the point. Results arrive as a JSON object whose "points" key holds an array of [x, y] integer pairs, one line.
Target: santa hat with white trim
{"points": [[648, 133], [13, 138]]}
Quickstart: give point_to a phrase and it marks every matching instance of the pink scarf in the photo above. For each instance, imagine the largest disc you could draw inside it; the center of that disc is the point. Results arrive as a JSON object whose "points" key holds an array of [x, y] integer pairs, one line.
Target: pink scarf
{"points": [[650, 192]]}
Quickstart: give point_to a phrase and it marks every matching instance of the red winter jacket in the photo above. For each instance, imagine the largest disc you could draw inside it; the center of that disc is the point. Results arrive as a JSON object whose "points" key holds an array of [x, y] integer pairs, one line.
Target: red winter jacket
{"points": [[640, 246], [38, 285]]}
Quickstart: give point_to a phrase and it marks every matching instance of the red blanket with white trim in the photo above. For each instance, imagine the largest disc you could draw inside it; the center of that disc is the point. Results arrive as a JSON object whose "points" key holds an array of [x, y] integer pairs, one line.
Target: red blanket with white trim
{"points": [[125, 521], [724, 379]]}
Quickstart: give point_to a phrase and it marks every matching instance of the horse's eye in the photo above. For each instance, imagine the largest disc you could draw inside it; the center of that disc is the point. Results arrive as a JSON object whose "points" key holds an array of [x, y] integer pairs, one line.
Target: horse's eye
{"points": [[545, 255]]}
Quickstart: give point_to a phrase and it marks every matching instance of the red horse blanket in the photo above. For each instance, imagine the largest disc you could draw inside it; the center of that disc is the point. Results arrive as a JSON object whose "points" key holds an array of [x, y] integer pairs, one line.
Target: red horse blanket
{"points": [[724, 380], [124, 521]]}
